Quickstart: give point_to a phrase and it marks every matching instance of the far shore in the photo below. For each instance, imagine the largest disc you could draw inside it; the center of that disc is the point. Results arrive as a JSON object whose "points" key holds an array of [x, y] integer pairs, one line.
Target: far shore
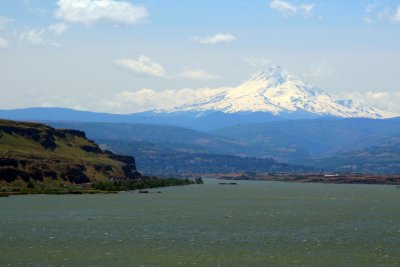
{"points": [[330, 178]]}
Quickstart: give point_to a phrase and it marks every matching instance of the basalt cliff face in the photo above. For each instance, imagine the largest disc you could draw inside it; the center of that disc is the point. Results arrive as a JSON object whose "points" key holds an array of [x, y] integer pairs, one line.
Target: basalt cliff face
{"points": [[33, 151]]}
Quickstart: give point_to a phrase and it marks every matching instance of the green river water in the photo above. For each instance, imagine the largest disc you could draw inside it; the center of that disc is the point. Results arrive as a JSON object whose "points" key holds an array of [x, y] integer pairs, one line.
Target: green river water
{"points": [[254, 223]]}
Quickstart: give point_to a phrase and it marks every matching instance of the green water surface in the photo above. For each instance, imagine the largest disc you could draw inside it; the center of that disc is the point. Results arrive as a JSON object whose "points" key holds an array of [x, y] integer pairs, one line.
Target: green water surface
{"points": [[254, 223]]}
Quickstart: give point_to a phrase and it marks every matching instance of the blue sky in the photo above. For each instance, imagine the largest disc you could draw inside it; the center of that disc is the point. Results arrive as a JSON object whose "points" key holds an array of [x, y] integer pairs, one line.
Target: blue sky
{"points": [[127, 56]]}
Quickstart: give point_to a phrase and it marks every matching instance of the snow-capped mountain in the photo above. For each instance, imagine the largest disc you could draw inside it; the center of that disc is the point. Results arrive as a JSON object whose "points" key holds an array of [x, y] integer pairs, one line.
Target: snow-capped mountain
{"points": [[277, 91]]}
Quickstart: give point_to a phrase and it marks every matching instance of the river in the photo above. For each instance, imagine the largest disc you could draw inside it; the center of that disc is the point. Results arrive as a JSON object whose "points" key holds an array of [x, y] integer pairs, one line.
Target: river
{"points": [[253, 223]]}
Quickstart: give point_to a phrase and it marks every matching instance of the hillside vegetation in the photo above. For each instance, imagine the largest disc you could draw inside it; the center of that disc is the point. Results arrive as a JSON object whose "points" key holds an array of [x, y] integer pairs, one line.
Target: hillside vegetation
{"points": [[172, 137], [321, 144], [303, 140], [377, 159], [35, 152], [160, 160], [37, 156]]}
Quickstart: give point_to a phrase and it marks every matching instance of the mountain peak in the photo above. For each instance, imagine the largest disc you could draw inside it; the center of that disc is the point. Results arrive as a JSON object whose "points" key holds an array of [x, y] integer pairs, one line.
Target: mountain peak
{"points": [[274, 73], [277, 71], [277, 91]]}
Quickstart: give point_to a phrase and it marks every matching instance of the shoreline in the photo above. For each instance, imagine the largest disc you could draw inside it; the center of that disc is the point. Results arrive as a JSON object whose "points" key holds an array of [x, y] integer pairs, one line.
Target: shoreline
{"points": [[102, 187], [343, 178]]}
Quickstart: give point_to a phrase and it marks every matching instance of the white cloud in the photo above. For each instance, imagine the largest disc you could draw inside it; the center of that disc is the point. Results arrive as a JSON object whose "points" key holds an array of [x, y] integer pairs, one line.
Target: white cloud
{"points": [[396, 17], [32, 7], [377, 95], [142, 65], [4, 21], [285, 8], [370, 7], [368, 20], [257, 62], [381, 11], [369, 16], [197, 74], [93, 11], [307, 9], [58, 28], [123, 102], [145, 99], [44, 36], [388, 101], [3, 43], [34, 36], [289, 9], [215, 39], [148, 99], [321, 69]]}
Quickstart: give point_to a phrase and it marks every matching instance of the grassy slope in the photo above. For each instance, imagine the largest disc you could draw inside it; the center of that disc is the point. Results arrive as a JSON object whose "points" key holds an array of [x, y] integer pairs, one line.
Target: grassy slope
{"points": [[35, 158], [23, 144], [68, 149]]}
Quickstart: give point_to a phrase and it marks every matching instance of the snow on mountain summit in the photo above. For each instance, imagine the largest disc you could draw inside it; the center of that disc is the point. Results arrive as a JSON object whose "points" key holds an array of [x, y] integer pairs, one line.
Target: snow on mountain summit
{"points": [[277, 91]]}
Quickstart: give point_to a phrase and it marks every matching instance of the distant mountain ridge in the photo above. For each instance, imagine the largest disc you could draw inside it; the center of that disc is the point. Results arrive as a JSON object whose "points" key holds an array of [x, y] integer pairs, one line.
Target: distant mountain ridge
{"points": [[155, 159], [341, 144], [203, 121], [302, 140], [383, 158], [272, 95], [299, 142]]}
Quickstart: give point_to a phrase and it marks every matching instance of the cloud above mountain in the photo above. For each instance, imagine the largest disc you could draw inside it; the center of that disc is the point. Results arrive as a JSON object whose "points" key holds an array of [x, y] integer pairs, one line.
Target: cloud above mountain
{"points": [[274, 91], [215, 39], [3, 43], [289, 9], [381, 11], [257, 61], [381, 99], [142, 65], [197, 74], [147, 99], [93, 11], [397, 15], [4, 21], [130, 101], [45, 35]]}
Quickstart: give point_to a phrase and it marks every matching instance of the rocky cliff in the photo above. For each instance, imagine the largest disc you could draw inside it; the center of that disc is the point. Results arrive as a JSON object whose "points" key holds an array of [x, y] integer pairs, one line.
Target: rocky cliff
{"points": [[36, 152]]}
